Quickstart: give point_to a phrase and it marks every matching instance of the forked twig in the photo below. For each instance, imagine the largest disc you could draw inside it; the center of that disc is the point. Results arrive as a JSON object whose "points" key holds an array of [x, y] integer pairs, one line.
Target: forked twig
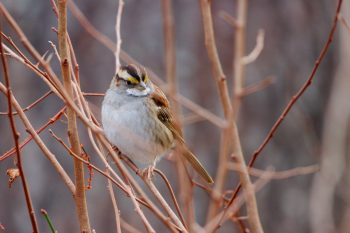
{"points": [[15, 135], [32, 105], [52, 120], [108, 176], [30, 129], [172, 195], [294, 99]]}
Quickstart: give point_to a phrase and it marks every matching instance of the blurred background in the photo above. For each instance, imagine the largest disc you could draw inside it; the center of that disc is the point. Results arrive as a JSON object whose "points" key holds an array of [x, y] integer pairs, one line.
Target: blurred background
{"points": [[316, 131]]}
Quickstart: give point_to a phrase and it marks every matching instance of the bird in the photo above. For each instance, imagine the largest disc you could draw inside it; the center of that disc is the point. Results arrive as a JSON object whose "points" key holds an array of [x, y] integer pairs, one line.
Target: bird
{"points": [[137, 119]]}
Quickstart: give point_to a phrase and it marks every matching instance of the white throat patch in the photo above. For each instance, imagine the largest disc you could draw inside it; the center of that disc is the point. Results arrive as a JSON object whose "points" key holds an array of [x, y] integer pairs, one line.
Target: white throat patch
{"points": [[138, 93]]}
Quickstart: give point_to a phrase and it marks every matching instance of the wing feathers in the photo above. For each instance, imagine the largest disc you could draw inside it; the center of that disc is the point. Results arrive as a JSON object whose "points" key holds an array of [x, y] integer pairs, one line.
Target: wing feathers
{"points": [[166, 118]]}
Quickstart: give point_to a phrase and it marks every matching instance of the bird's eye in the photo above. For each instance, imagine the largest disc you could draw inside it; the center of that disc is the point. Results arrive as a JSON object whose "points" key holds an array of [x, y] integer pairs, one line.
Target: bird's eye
{"points": [[128, 82]]}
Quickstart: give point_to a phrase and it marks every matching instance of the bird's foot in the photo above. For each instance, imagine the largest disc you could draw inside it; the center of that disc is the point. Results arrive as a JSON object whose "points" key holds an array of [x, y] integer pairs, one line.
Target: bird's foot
{"points": [[148, 172]]}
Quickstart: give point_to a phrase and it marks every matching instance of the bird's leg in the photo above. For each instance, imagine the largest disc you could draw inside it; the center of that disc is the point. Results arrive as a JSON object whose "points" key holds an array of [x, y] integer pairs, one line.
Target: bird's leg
{"points": [[149, 171]]}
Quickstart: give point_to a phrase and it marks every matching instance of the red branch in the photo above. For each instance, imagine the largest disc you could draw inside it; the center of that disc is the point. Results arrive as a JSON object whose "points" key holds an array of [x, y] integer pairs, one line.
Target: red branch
{"points": [[294, 99], [15, 135], [29, 138], [32, 105]]}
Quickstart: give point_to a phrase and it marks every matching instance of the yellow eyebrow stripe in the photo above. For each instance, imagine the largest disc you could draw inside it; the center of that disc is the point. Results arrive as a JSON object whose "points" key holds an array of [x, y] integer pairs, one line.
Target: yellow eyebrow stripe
{"points": [[133, 80]]}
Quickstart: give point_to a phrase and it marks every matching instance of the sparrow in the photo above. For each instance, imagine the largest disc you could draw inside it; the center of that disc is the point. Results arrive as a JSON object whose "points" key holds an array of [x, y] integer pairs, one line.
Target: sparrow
{"points": [[137, 119]]}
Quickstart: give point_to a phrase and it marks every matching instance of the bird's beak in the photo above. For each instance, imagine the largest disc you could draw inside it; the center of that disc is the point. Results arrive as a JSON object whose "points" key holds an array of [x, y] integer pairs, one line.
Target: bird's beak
{"points": [[142, 84]]}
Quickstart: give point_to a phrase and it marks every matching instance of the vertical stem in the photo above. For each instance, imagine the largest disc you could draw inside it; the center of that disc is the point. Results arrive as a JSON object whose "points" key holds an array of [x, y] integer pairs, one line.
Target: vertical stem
{"points": [[220, 79], [185, 185], [169, 47], [239, 52], [237, 65], [230, 131], [80, 197], [15, 138], [118, 36]]}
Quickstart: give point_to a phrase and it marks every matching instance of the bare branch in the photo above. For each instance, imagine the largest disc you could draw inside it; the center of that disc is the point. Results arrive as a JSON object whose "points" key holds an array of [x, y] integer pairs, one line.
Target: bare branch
{"points": [[15, 135], [295, 98], [277, 175], [254, 54], [118, 36], [114, 203], [80, 196]]}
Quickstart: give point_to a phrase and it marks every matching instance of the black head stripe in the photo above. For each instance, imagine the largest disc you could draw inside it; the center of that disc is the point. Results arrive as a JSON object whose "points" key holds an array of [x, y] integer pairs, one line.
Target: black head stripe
{"points": [[133, 71]]}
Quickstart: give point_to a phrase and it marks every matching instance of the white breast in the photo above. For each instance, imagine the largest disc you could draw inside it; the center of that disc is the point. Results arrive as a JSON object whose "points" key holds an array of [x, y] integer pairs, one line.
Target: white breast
{"points": [[129, 127]]}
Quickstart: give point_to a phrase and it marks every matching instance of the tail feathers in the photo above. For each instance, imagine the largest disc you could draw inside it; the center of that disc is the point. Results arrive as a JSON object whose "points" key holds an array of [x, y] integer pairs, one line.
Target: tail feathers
{"points": [[191, 158]]}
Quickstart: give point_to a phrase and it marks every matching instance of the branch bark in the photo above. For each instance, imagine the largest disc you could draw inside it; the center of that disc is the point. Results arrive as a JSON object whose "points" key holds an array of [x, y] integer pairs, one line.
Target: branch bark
{"points": [[231, 132], [80, 196], [185, 186]]}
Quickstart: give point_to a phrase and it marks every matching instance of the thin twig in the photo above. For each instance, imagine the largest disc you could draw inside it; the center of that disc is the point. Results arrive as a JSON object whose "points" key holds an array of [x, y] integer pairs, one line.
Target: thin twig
{"points": [[108, 43], [165, 205], [51, 120], [231, 131], [48, 220], [127, 227], [122, 169], [214, 223], [114, 203], [15, 135], [248, 90], [278, 175], [229, 19], [220, 79], [238, 65], [295, 98], [184, 184], [172, 195], [49, 76], [32, 105], [221, 82], [92, 166], [128, 187], [50, 156], [344, 22], [22, 58], [254, 54], [136, 170], [118, 36]]}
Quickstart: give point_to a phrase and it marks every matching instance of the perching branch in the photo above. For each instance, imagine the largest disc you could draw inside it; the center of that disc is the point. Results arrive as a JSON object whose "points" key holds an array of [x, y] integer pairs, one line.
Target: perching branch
{"points": [[80, 196]]}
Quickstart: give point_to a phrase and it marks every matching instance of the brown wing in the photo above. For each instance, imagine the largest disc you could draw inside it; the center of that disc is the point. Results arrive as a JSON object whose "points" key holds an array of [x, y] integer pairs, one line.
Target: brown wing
{"points": [[165, 116], [164, 113]]}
